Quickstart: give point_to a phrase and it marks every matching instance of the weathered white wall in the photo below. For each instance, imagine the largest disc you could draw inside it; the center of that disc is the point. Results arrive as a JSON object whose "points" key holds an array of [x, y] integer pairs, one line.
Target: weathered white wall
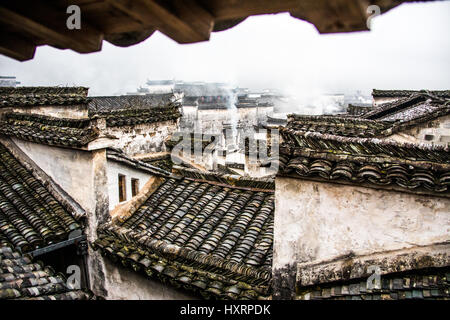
{"points": [[317, 221], [252, 115], [143, 138], [71, 169], [113, 171], [125, 284], [377, 101], [436, 132]]}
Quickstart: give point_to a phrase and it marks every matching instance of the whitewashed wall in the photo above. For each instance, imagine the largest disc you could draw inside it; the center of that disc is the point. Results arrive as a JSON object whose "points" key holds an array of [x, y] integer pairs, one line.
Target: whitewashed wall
{"points": [[113, 171], [125, 284], [377, 101], [436, 132], [317, 221], [71, 169]]}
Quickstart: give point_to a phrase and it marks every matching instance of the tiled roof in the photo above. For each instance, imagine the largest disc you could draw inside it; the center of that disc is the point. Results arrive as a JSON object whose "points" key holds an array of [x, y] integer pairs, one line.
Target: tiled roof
{"points": [[365, 161], [48, 130], [30, 217], [357, 148], [413, 108], [212, 237], [130, 117], [407, 93], [119, 156], [265, 183], [161, 165], [382, 121], [349, 127], [358, 109], [112, 103], [22, 278], [163, 162], [417, 284], [42, 96], [276, 120]]}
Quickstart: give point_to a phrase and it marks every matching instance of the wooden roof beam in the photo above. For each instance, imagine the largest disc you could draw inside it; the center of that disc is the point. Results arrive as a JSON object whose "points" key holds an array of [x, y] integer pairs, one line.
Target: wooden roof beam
{"points": [[334, 16], [185, 22], [85, 40], [16, 48], [232, 9]]}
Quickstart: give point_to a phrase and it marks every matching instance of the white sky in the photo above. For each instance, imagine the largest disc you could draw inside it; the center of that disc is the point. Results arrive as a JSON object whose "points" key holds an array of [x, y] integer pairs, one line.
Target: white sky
{"points": [[408, 48]]}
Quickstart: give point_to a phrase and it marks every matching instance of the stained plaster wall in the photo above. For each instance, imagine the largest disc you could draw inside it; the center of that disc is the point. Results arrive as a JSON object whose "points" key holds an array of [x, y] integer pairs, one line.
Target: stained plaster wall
{"points": [[436, 132], [317, 221], [253, 115], [71, 169], [113, 171], [124, 284], [142, 138]]}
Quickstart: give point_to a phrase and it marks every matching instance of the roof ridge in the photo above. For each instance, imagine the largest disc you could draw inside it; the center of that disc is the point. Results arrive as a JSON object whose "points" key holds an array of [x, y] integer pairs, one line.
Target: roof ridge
{"points": [[400, 104], [40, 96], [391, 93], [232, 180], [293, 116], [173, 251], [366, 146], [50, 120], [42, 89], [119, 156]]}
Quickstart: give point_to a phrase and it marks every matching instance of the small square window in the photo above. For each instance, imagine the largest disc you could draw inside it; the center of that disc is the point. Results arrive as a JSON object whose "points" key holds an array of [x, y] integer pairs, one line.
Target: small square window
{"points": [[134, 187], [122, 188], [429, 137]]}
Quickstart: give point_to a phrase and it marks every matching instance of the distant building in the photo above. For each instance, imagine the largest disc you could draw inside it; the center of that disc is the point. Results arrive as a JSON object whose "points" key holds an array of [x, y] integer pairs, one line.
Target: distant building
{"points": [[6, 81], [216, 108]]}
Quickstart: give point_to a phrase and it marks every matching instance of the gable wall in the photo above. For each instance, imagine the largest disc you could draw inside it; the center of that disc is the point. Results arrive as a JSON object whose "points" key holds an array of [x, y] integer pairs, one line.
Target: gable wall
{"points": [[436, 131], [317, 222]]}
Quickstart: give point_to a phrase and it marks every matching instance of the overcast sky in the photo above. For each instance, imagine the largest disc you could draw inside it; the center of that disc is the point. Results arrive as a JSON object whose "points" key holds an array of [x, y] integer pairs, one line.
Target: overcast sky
{"points": [[408, 48]]}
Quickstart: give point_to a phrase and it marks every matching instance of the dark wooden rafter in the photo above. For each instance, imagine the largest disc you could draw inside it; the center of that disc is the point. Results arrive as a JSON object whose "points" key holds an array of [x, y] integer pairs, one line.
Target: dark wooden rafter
{"points": [[30, 23], [232, 9], [16, 47], [41, 21], [191, 24], [339, 16]]}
